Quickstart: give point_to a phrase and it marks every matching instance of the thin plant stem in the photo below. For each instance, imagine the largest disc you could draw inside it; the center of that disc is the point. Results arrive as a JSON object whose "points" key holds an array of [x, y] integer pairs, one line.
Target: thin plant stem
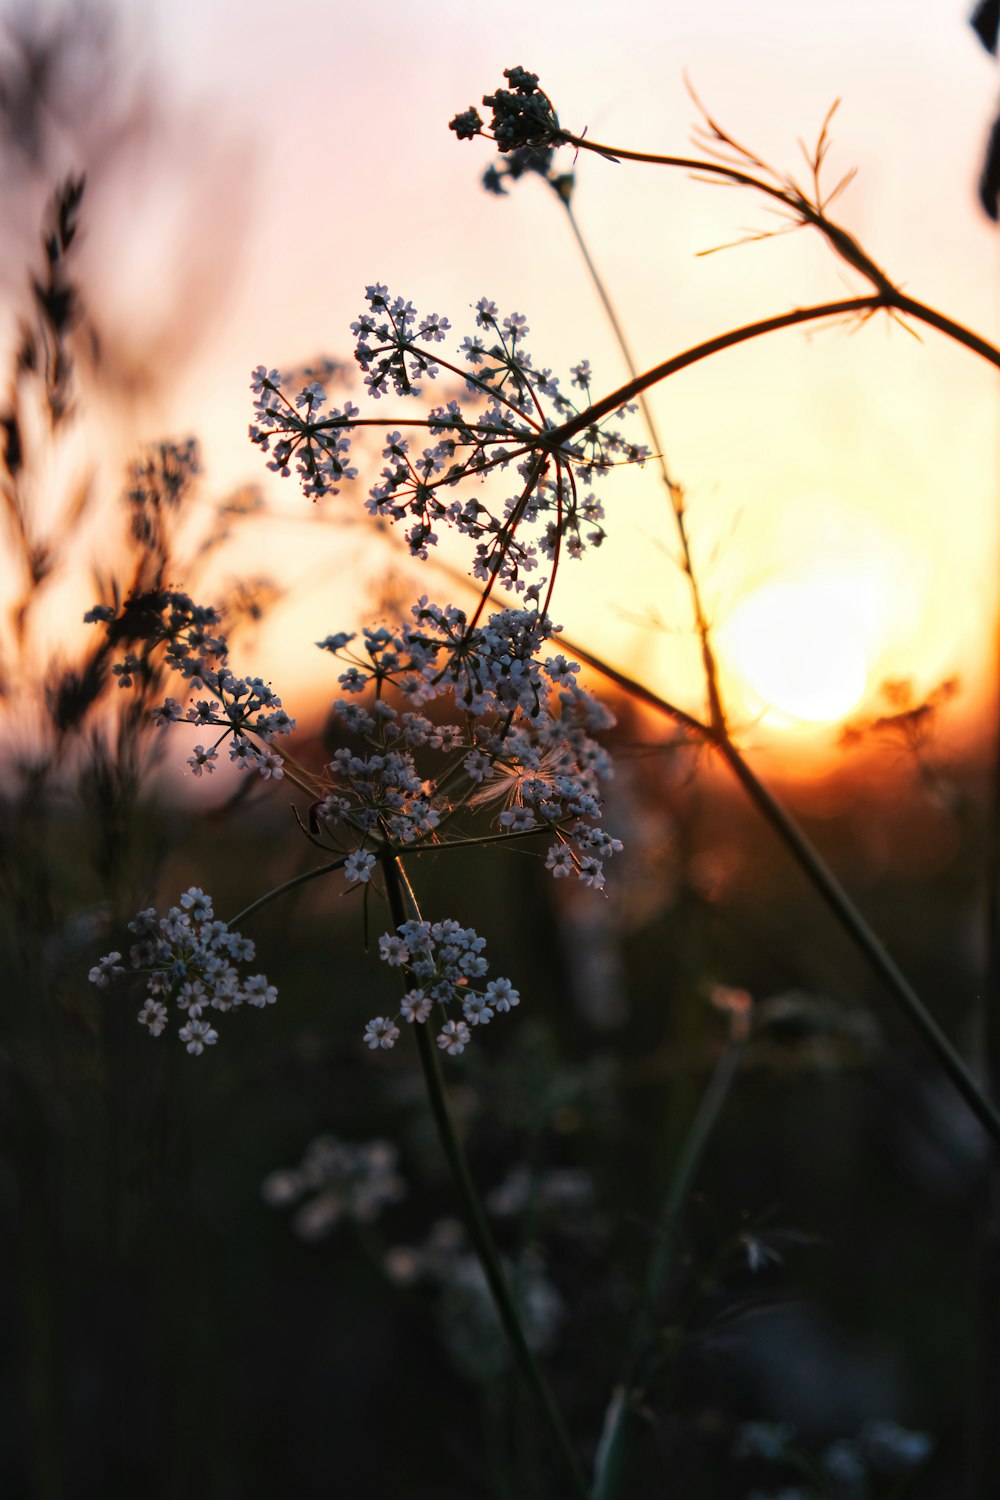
{"points": [[289, 885], [674, 490], [556, 436], [475, 1215], [820, 875], [865, 940], [614, 1443], [983, 1438]]}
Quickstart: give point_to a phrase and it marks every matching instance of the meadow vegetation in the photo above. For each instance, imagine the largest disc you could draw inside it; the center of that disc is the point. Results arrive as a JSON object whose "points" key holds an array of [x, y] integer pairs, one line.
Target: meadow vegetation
{"points": [[601, 1120]]}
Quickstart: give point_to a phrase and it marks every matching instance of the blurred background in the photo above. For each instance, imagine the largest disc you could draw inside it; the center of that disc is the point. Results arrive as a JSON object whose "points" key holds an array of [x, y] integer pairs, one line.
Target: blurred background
{"points": [[178, 1315]]}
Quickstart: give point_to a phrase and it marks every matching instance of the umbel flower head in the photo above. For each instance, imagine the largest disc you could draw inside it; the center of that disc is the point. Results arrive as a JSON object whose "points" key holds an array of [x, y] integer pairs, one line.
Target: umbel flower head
{"points": [[246, 710], [193, 963], [517, 740], [446, 962], [518, 407]]}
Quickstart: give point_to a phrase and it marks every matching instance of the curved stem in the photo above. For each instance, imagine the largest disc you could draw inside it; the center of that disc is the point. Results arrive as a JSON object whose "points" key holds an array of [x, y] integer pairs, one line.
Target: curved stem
{"points": [[688, 163], [636, 690], [614, 1442], [893, 302], [556, 436], [289, 885], [785, 192], [475, 1216]]}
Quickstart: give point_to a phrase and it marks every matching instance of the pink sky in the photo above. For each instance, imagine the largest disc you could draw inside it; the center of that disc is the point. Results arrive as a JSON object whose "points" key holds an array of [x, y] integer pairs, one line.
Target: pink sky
{"points": [[304, 153]]}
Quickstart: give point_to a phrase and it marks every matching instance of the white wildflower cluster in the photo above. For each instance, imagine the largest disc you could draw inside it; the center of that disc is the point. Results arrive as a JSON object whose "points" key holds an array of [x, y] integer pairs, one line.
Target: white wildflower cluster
{"points": [[446, 963], [517, 406], [317, 438], [468, 1318], [517, 739], [336, 1181], [246, 709], [192, 960]]}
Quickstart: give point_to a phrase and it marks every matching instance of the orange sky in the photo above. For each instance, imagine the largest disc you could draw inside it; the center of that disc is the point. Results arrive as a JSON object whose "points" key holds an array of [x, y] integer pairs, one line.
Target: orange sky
{"points": [[302, 152]]}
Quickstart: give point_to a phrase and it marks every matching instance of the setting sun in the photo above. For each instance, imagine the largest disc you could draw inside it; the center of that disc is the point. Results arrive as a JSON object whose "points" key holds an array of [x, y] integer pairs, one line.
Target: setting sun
{"points": [[799, 650]]}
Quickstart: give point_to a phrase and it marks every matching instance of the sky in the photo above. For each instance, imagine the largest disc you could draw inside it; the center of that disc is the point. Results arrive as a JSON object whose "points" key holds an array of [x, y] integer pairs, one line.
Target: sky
{"points": [[842, 484]]}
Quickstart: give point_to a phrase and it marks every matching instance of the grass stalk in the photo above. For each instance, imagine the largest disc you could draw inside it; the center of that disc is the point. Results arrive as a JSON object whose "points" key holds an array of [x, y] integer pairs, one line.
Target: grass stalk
{"points": [[613, 1452], [674, 490]]}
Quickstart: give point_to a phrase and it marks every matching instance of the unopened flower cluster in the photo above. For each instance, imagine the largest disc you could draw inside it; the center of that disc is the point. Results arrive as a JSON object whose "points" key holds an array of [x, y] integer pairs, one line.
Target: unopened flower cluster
{"points": [[192, 960], [522, 115], [516, 738], [337, 1180], [446, 961], [246, 709], [516, 406]]}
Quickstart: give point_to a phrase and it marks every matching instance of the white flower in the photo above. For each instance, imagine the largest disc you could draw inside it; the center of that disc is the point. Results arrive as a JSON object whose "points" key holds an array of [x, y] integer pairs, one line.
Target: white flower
{"points": [[153, 1016], [270, 764], [106, 969], [477, 1011], [202, 759], [502, 995], [380, 1032], [454, 1037], [197, 904], [359, 865], [258, 992], [167, 713], [197, 1035], [416, 1006], [393, 950]]}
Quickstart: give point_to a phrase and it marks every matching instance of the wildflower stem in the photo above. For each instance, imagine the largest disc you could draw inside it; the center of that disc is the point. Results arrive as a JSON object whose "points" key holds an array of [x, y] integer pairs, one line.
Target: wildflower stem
{"points": [[674, 490], [475, 1216], [427, 847], [614, 1443], [556, 436], [850, 918], [489, 1259], [829, 888], [689, 163], [891, 301], [289, 885]]}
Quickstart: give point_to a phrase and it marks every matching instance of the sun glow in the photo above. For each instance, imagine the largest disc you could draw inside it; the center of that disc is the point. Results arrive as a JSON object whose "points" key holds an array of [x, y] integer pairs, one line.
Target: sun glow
{"points": [[800, 651]]}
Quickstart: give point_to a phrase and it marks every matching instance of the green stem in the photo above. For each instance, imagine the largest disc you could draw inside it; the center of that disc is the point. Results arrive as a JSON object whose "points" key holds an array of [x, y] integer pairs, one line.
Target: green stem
{"points": [[863, 937], [289, 885], [615, 1441], [475, 1217]]}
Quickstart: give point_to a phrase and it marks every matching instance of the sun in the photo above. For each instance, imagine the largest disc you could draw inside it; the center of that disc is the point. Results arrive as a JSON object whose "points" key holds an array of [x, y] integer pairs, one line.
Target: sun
{"points": [[798, 649]]}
